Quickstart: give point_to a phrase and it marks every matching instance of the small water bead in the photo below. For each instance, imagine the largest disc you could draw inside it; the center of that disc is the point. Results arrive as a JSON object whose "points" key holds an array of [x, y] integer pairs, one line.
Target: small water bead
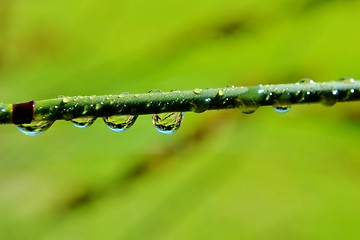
{"points": [[120, 123], [66, 99], [198, 90], [347, 80], [306, 81], [221, 93], [167, 123], [35, 128], [83, 122]]}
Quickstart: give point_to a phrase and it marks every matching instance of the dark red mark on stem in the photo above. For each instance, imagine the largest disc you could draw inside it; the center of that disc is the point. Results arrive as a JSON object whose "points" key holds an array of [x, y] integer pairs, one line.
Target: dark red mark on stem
{"points": [[23, 112]]}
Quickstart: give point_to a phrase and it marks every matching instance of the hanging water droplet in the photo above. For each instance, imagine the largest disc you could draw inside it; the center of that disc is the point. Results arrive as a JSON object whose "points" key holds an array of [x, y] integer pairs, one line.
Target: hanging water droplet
{"points": [[198, 90], [83, 122], [167, 123], [200, 105], [329, 98], [119, 123], [283, 103], [282, 109], [306, 81], [247, 107], [35, 127]]}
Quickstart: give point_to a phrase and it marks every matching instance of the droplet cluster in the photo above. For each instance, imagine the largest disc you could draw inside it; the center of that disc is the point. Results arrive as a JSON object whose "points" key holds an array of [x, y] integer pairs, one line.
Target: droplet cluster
{"points": [[281, 97]]}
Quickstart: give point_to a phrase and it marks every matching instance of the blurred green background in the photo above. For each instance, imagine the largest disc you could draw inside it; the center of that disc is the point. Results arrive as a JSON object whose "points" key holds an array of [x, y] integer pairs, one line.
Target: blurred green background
{"points": [[223, 175]]}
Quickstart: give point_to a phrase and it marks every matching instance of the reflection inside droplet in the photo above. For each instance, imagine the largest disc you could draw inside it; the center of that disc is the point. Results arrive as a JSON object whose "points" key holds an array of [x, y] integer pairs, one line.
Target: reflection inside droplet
{"points": [[83, 122], [35, 128], [119, 123], [282, 109], [167, 123]]}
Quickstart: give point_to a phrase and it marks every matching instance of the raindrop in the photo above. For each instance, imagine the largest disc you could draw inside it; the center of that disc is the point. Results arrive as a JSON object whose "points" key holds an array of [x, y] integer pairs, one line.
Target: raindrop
{"points": [[119, 123], [66, 99], [83, 122], [35, 127], [198, 90], [283, 103], [247, 107], [329, 98], [167, 123], [282, 109], [347, 80], [221, 93], [306, 81], [200, 105]]}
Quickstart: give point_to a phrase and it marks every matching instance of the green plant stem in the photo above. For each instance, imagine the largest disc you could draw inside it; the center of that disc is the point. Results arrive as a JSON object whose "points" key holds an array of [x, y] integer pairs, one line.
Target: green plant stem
{"points": [[197, 100]]}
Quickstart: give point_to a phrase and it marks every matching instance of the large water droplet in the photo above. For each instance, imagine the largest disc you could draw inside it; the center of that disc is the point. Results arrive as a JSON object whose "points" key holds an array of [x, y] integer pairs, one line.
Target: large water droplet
{"points": [[167, 123], [35, 127], [119, 123], [83, 122]]}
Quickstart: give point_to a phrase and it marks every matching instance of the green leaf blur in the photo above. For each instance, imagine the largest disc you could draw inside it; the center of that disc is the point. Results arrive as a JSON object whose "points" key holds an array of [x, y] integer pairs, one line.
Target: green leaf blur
{"points": [[223, 174]]}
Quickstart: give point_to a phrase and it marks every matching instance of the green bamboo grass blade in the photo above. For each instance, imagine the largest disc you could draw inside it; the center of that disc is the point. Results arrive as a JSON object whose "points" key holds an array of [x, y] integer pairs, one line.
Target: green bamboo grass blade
{"points": [[35, 115]]}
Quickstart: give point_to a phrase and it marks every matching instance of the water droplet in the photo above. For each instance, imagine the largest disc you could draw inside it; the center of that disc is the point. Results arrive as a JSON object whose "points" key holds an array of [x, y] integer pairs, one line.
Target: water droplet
{"points": [[83, 122], [221, 93], [119, 123], [283, 103], [35, 127], [167, 123], [329, 98], [282, 109], [98, 105], [200, 105], [198, 90], [66, 99], [247, 107], [347, 79], [306, 81]]}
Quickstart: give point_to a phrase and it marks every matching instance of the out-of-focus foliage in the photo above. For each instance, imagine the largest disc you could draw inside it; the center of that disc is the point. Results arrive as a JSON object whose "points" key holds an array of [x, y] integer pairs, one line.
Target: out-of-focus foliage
{"points": [[223, 175]]}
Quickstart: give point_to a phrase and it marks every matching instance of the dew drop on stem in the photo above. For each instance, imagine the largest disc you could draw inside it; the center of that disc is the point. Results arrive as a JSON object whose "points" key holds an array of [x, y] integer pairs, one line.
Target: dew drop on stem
{"points": [[167, 123], [119, 123], [35, 127], [200, 105], [83, 122], [306, 81], [347, 80], [329, 98]]}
